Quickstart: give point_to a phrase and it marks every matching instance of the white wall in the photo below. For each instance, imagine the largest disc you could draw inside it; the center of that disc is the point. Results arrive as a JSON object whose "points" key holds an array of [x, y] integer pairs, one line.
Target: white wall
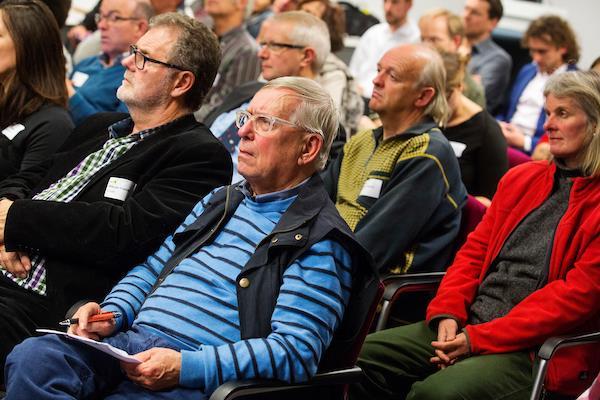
{"points": [[583, 15]]}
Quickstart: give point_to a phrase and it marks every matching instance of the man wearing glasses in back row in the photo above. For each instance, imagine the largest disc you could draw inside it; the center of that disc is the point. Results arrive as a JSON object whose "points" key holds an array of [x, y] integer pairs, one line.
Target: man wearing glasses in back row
{"points": [[93, 84], [293, 43], [116, 189]]}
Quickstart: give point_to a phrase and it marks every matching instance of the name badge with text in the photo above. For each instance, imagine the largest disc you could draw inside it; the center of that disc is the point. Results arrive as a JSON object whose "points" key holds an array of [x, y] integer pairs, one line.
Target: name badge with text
{"points": [[458, 148], [11, 131], [79, 78], [372, 188], [118, 188]]}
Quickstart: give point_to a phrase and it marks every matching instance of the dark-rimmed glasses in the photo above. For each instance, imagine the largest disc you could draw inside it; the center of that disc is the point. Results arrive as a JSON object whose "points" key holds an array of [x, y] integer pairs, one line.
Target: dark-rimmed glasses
{"points": [[277, 47], [140, 59], [112, 18], [264, 124]]}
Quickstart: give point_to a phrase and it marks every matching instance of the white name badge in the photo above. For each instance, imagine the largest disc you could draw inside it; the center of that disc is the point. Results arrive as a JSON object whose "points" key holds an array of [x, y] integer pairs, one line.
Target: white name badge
{"points": [[372, 188], [79, 78], [118, 188], [11, 131], [458, 148]]}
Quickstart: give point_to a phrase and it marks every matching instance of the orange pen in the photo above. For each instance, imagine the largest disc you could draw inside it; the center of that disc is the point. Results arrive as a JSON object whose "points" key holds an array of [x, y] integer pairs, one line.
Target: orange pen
{"points": [[105, 316]]}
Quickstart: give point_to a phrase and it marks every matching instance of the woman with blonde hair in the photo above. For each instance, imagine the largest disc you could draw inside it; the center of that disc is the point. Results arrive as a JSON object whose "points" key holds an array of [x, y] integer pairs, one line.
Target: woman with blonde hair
{"points": [[474, 135]]}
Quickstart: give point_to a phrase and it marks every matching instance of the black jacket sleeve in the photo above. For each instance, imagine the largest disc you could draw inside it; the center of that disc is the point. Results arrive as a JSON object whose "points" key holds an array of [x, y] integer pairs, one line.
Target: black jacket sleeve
{"points": [[104, 230]]}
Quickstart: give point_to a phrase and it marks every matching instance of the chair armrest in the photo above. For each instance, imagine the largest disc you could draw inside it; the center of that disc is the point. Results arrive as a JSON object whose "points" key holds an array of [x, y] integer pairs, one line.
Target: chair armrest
{"points": [[554, 343], [397, 285], [548, 349], [237, 389]]}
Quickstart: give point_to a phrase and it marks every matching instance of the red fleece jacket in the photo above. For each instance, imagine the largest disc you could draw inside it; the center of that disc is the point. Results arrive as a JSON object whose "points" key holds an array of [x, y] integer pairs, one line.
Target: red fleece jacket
{"points": [[569, 302]]}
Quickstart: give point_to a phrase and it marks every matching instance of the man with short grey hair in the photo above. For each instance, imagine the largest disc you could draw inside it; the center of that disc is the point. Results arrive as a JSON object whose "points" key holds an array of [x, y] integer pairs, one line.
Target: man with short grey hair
{"points": [[260, 272], [93, 84], [398, 187]]}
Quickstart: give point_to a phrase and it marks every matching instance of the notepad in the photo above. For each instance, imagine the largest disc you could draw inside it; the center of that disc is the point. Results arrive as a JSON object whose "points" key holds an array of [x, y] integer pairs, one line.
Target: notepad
{"points": [[103, 347]]}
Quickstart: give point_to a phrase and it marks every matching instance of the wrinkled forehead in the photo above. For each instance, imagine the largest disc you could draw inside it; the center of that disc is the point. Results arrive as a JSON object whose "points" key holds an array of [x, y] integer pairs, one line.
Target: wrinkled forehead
{"points": [[402, 60], [275, 31], [121, 7], [158, 40], [274, 101]]}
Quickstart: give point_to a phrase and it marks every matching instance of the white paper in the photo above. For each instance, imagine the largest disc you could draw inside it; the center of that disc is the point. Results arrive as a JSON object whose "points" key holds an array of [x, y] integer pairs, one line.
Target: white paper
{"points": [[372, 188], [103, 347]]}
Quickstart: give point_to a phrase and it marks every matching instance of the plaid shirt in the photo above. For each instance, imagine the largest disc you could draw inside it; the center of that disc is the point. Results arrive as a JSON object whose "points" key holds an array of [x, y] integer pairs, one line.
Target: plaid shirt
{"points": [[67, 188]]}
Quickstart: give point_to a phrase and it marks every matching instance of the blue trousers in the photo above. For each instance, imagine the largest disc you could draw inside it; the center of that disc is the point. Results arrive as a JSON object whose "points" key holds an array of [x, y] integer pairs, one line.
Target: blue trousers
{"points": [[53, 367]]}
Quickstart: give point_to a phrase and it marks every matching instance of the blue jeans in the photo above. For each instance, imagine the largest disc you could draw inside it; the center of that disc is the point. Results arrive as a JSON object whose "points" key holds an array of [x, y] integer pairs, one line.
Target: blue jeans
{"points": [[53, 367]]}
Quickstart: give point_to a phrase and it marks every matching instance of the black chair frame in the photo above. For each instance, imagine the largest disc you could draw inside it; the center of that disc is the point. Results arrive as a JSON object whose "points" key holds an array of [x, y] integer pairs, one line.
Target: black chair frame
{"points": [[398, 285], [546, 352]]}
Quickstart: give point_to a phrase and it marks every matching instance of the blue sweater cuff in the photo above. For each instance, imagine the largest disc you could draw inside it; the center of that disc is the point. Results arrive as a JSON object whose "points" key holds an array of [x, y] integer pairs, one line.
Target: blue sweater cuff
{"points": [[192, 369]]}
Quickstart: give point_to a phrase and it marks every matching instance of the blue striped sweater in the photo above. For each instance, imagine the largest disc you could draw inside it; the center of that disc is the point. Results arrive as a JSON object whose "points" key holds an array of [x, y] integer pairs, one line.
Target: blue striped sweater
{"points": [[196, 306]]}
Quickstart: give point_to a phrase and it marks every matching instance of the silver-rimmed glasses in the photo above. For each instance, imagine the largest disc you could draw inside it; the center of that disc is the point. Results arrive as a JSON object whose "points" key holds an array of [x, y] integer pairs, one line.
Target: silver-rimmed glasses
{"points": [[264, 124]]}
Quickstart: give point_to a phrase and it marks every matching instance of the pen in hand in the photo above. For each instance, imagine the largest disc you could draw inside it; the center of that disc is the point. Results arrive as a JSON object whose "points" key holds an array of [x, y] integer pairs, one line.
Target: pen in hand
{"points": [[106, 316]]}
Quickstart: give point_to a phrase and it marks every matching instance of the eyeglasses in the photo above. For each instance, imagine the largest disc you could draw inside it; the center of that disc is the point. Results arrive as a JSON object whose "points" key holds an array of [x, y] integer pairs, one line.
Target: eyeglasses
{"points": [[263, 124], [140, 59], [277, 47], [112, 18]]}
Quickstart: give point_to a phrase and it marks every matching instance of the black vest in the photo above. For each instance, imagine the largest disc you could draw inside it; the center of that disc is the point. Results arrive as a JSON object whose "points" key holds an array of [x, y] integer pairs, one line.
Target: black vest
{"points": [[311, 218]]}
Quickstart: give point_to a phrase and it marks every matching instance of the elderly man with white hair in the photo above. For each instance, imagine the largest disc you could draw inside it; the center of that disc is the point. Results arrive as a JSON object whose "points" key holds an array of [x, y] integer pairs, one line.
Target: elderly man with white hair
{"points": [[254, 283]]}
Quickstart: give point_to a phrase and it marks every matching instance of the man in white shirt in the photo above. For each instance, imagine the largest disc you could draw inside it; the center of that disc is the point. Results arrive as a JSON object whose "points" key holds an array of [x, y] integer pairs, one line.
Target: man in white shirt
{"points": [[554, 49], [380, 38]]}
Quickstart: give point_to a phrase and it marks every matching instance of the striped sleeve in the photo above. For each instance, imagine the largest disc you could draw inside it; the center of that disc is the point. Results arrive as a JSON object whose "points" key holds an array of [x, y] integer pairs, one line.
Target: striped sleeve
{"points": [[310, 306], [129, 294]]}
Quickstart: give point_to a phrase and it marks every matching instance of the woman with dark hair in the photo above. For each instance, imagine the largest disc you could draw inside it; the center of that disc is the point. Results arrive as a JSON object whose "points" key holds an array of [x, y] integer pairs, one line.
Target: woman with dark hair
{"points": [[335, 76], [33, 119], [474, 135]]}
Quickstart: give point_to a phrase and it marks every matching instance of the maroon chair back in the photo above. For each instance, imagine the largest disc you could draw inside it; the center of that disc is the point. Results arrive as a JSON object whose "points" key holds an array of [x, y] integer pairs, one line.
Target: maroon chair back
{"points": [[472, 213], [516, 157]]}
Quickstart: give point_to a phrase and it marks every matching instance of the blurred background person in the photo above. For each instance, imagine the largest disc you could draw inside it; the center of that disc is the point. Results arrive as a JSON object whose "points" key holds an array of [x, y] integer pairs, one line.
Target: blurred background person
{"points": [[595, 65], [239, 52], [280, 6], [490, 64], [261, 10], [92, 86], [474, 135], [554, 49], [445, 32], [33, 96], [335, 76], [377, 40]]}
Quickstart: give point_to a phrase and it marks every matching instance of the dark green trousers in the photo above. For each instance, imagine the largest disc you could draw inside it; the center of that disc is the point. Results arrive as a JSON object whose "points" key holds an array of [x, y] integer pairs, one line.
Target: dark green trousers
{"points": [[396, 365]]}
